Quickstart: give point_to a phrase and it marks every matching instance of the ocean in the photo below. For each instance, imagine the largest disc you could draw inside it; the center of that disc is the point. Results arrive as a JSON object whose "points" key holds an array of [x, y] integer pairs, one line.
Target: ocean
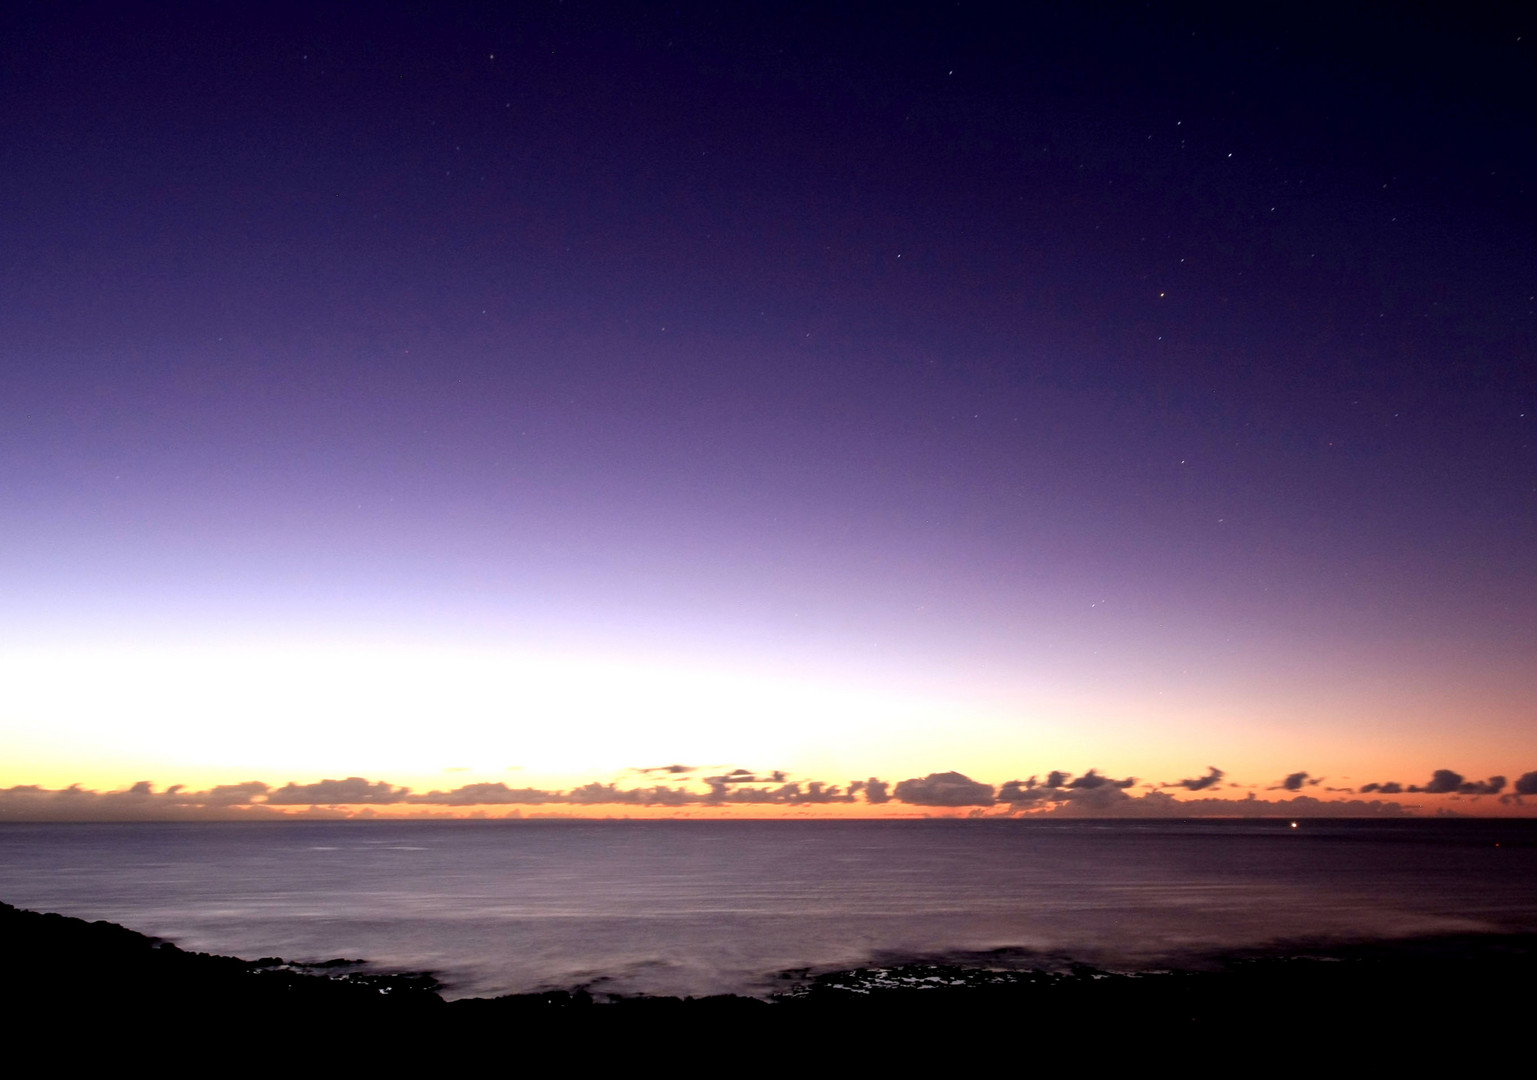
{"points": [[750, 907]]}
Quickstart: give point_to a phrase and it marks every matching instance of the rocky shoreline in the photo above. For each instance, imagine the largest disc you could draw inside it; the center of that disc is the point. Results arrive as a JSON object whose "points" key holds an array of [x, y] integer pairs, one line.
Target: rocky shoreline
{"points": [[1374, 1002]]}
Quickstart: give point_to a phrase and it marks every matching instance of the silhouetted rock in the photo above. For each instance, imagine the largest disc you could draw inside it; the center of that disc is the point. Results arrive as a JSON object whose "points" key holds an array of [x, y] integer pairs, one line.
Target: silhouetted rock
{"points": [[1370, 1003]]}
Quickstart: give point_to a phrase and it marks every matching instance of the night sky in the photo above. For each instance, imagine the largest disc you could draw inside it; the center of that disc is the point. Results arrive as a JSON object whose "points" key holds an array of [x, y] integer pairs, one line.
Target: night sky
{"points": [[533, 397]]}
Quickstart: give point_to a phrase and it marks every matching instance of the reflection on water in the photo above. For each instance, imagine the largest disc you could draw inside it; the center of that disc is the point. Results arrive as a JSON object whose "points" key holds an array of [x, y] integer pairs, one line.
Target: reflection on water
{"points": [[708, 907]]}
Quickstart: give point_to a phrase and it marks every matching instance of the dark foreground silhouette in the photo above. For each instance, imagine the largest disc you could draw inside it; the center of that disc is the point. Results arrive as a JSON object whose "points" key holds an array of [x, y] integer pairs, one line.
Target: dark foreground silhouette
{"points": [[1445, 998]]}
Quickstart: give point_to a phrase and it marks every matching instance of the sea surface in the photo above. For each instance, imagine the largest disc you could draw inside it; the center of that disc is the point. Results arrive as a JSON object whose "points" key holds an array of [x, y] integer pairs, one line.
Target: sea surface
{"points": [[689, 907]]}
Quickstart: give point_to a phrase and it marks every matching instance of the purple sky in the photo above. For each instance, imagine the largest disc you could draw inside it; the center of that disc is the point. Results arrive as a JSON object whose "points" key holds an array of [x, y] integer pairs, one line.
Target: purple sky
{"points": [[1129, 390]]}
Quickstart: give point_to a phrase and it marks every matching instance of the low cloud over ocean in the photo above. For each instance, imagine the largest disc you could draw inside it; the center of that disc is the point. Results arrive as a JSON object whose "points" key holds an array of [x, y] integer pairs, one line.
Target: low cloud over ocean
{"points": [[1059, 793]]}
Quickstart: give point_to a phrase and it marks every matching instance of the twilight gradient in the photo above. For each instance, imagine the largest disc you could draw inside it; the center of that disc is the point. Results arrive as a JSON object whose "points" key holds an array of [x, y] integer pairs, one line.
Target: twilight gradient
{"points": [[569, 390]]}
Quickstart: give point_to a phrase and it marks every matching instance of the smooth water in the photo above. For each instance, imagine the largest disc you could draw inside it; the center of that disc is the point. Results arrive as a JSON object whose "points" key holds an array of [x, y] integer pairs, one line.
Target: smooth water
{"points": [[714, 907]]}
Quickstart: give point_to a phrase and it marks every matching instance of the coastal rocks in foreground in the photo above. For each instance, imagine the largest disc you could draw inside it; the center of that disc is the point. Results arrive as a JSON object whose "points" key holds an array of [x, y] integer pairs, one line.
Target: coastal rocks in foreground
{"points": [[1373, 1003], [55, 961]]}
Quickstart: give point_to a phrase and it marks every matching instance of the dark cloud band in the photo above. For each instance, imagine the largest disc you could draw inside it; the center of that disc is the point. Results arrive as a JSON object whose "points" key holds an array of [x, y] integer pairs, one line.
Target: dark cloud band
{"points": [[1091, 793]]}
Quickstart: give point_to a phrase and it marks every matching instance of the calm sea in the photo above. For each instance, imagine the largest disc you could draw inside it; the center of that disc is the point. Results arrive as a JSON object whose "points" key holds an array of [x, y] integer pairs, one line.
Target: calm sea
{"points": [[711, 907]]}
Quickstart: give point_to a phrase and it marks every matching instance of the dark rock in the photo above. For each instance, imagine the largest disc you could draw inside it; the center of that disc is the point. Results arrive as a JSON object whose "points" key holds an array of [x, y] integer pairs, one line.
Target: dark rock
{"points": [[1406, 1001]]}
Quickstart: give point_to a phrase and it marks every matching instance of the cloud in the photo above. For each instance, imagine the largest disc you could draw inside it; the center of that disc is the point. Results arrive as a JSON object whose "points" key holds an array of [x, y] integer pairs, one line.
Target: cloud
{"points": [[1091, 794], [944, 789], [230, 794], [661, 795], [1106, 800], [1113, 802], [1200, 783], [736, 776], [140, 802], [1092, 779], [1096, 795], [818, 792], [747, 776], [673, 770], [737, 787], [1441, 782], [1024, 792], [1294, 782], [352, 790], [1092, 789], [485, 795], [598, 794], [1447, 782]]}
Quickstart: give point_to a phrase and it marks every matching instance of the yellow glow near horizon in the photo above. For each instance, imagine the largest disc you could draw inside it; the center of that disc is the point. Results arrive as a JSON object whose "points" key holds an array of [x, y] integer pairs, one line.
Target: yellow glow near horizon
{"points": [[413, 713], [441, 715]]}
